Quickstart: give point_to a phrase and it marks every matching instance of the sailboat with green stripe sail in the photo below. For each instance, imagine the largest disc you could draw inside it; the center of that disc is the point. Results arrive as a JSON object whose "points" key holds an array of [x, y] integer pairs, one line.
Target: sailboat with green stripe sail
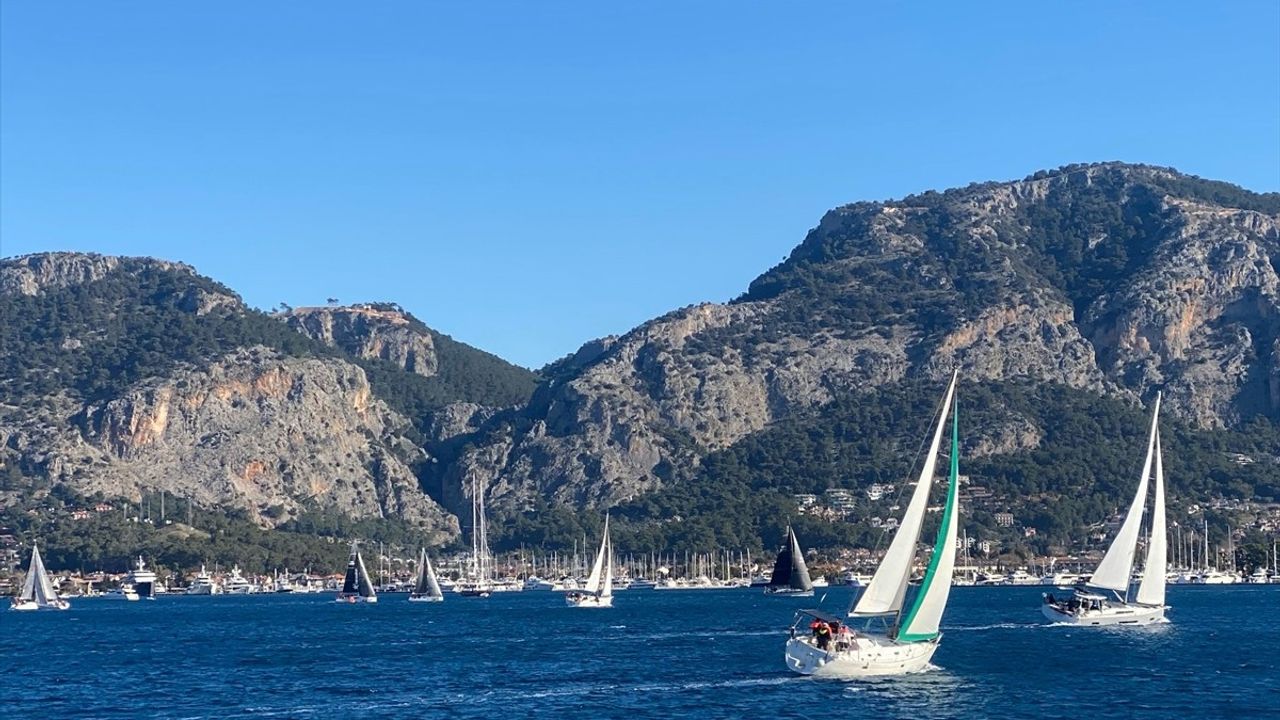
{"points": [[897, 636]]}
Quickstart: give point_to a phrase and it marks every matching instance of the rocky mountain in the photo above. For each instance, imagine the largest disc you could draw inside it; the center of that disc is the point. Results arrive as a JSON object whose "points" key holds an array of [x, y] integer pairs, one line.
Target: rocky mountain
{"points": [[1116, 280], [130, 376]]}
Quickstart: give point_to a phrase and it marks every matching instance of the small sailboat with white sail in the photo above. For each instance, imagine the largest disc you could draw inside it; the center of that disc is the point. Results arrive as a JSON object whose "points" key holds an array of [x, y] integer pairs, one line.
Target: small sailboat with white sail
{"points": [[790, 574], [1087, 607], [897, 637], [38, 592], [598, 591], [356, 585], [427, 587]]}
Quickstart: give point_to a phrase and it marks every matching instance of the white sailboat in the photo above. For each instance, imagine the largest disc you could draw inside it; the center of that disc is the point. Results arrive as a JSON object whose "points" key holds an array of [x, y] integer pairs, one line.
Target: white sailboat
{"points": [[790, 574], [356, 585], [427, 588], [480, 583], [37, 592], [1089, 608], [598, 592], [898, 637]]}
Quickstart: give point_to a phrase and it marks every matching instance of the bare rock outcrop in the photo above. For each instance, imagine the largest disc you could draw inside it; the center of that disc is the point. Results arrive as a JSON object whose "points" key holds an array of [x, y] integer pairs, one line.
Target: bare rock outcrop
{"points": [[257, 430], [381, 332]]}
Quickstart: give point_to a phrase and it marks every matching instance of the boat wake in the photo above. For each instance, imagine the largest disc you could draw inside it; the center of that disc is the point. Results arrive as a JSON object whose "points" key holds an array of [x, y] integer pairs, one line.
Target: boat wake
{"points": [[995, 626]]}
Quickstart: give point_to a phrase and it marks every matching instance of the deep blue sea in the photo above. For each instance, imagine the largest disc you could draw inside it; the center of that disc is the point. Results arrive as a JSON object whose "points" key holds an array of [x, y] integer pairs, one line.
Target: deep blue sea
{"points": [[700, 654]]}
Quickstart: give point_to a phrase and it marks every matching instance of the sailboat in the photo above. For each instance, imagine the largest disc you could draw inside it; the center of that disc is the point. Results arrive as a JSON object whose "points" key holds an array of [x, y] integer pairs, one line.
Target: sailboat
{"points": [[897, 637], [427, 588], [790, 575], [480, 582], [356, 586], [37, 592], [1086, 607], [598, 592]]}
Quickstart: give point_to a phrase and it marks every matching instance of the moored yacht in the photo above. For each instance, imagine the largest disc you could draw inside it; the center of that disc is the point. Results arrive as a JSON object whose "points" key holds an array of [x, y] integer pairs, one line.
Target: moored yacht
{"points": [[236, 584], [142, 580], [204, 584]]}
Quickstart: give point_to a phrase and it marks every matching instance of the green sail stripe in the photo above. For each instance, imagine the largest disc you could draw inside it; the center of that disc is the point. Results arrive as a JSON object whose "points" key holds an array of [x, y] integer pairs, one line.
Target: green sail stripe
{"points": [[939, 544]]}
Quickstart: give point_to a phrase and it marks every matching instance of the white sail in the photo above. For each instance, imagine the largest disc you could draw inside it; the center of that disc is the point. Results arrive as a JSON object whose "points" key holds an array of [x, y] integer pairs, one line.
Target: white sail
{"points": [[365, 582], [1114, 571], [45, 594], [926, 616], [593, 580], [606, 587], [1151, 590], [888, 586]]}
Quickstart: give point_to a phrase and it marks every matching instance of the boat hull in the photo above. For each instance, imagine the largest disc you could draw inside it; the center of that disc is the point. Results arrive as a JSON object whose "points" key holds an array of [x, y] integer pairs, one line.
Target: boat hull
{"points": [[588, 601], [866, 656], [353, 599], [426, 598], [787, 592], [1112, 615]]}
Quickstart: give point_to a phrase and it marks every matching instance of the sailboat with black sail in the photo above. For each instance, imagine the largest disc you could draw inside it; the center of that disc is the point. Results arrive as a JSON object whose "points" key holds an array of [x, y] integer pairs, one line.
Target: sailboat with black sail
{"points": [[1106, 599], [790, 574], [356, 585], [897, 637], [37, 591], [427, 588]]}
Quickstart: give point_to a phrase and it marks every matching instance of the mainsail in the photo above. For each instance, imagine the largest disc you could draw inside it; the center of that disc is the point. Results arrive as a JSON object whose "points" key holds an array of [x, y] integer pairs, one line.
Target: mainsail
{"points": [[789, 570], [1114, 570], [887, 589], [598, 571], [351, 582], [1151, 590]]}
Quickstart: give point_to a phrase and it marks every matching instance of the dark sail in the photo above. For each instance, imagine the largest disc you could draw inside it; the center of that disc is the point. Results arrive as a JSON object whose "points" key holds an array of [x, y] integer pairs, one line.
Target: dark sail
{"points": [[423, 587], [799, 579], [350, 585], [781, 576]]}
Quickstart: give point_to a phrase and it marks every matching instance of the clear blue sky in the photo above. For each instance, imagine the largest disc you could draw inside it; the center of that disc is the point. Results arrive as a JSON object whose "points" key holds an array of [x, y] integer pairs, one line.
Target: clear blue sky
{"points": [[527, 176]]}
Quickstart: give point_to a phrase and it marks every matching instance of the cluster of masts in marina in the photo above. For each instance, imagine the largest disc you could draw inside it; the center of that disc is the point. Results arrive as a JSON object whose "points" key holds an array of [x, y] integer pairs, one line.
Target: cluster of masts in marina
{"points": [[897, 613]]}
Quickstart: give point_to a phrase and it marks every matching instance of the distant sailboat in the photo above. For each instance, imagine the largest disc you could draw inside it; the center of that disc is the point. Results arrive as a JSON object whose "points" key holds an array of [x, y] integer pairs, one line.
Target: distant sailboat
{"points": [[907, 643], [1113, 573], [427, 588], [480, 583], [790, 575], [356, 586], [598, 591], [37, 592]]}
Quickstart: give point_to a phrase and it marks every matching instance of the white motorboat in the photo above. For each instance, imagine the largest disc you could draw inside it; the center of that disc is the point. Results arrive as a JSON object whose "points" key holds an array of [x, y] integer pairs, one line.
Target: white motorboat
{"points": [[898, 637], [204, 584], [537, 584], [126, 591], [236, 584], [1089, 608], [598, 592], [142, 580]]}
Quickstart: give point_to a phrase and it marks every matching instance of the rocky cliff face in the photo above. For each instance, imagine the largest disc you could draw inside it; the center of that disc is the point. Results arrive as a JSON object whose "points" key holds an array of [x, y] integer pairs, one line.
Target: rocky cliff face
{"points": [[369, 331], [1118, 279], [255, 430]]}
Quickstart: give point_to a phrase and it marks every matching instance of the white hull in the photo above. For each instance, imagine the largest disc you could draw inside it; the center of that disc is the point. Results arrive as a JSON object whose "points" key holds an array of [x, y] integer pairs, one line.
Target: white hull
{"points": [[1120, 614], [426, 598], [787, 592], [866, 656], [588, 601], [352, 599]]}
